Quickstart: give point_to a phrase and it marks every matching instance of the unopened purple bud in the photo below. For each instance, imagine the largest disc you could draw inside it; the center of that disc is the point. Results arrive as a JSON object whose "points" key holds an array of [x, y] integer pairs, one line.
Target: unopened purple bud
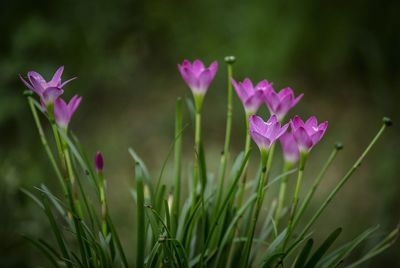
{"points": [[99, 162]]}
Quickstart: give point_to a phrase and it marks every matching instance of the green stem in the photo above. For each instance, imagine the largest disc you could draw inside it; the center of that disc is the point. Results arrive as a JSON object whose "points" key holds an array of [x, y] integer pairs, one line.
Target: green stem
{"points": [[197, 140], [228, 131], [246, 150], [177, 164], [71, 175], [343, 181], [263, 179], [73, 201], [103, 204], [46, 144], [141, 233], [282, 193], [315, 185], [295, 202]]}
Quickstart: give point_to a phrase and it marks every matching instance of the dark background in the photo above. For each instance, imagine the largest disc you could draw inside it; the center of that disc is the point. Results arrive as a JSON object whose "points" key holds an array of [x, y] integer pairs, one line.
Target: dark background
{"points": [[344, 55]]}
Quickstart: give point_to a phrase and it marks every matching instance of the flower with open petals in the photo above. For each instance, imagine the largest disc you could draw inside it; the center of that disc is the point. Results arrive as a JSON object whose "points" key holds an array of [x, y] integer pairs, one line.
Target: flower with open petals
{"points": [[289, 148], [251, 97], [197, 76], [63, 112], [264, 134], [307, 134], [48, 91], [280, 103]]}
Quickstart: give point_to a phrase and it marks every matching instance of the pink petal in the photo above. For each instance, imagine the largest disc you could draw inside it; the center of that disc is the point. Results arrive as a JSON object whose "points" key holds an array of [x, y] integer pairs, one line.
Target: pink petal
{"points": [[272, 120], [247, 85], [197, 67], [37, 87], [56, 80], [61, 113], [323, 126], [240, 91], [204, 80], [73, 104], [261, 141], [213, 69], [289, 147], [272, 101], [253, 103], [69, 80], [312, 121], [187, 76], [32, 75], [264, 85], [296, 100], [50, 94], [257, 124], [26, 83], [303, 140], [296, 122], [286, 91]]}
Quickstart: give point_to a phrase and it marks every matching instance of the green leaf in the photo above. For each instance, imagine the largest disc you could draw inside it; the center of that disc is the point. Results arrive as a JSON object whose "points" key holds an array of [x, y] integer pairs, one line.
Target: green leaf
{"points": [[152, 255], [117, 242], [49, 254], [303, 256], [141, 234], [337, 256], [323, 248], [388, 241], [228, 231], [145, 173], [33, 197], [56, 230]]}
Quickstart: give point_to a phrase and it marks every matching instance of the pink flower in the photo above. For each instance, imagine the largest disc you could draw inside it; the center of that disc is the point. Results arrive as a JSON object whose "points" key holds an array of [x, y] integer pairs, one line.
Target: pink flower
{"points": [[63, 112], [280, 103], [264, 134], [251, 97], [289, 148], [307, 134], [99, 163], [48, 91], [197, 76]]}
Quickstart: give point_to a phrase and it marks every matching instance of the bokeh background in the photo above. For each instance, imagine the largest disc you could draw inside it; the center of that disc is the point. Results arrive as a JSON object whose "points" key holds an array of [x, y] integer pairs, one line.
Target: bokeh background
{"points": [[344, 55]]}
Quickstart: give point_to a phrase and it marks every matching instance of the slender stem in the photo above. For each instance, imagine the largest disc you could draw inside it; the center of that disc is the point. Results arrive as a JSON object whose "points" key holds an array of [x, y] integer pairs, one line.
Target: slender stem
{"points": [[197, 140], [228, 130], [46, 144], [71, 175], [295, 202], [282, 193], [315, 185], [177, 164], [103, 204], [141, 233], [246, 150], [263, 179], [343, 181]]}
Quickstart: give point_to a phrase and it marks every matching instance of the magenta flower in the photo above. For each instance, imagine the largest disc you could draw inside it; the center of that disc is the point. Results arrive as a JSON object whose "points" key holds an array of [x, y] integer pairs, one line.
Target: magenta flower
{"points": [[307, 134], [197, 76], [63, 112], [289, 148], [99, 163], [251, 97], [280, 103], [265, 134], [47, 91]]}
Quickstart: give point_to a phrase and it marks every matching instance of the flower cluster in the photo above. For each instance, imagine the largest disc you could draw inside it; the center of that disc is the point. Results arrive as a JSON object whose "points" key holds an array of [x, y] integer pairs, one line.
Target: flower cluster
{"points": [[50, 93], [303, 135]]}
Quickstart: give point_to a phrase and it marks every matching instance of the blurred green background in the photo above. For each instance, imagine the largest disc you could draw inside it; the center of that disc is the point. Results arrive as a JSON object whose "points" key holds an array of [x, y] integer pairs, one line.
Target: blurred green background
{"points": [[344, 55]]}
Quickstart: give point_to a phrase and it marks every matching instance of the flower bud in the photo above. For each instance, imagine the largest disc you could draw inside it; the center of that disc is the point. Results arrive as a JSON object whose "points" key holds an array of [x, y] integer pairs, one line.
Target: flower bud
{"points": [[99, 162]]}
